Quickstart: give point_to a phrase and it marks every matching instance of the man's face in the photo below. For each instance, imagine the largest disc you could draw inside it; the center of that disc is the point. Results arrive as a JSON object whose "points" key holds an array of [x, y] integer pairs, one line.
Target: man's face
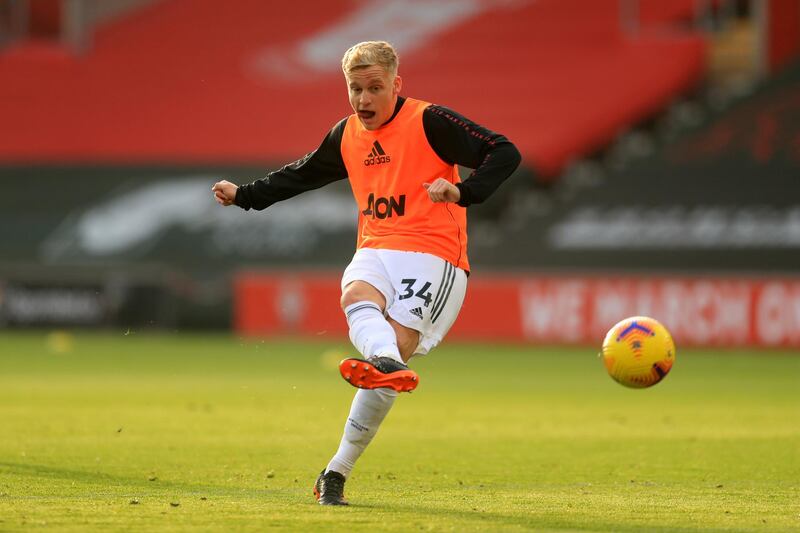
{"points": [[373, 94]]}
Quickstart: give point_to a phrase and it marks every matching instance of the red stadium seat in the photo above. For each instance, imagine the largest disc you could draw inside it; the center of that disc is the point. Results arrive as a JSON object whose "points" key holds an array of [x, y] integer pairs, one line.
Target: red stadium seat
{"points": [[188, 81]]}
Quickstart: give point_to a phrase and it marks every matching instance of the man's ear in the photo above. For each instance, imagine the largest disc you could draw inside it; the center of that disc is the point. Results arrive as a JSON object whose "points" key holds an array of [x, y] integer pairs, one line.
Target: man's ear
{"points": [[398, 84]]}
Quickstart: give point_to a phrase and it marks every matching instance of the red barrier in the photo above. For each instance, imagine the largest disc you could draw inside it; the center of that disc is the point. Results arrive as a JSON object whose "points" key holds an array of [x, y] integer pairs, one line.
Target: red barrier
{"points": [[552, 309]]}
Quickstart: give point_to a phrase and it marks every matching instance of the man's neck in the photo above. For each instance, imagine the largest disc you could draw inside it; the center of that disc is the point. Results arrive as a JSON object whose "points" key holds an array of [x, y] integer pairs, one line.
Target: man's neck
{"points": [[400, 101]]}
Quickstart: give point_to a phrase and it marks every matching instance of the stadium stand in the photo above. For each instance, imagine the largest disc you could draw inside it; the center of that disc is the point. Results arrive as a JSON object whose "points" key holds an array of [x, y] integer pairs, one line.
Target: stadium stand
{"points": [[190, 82]]}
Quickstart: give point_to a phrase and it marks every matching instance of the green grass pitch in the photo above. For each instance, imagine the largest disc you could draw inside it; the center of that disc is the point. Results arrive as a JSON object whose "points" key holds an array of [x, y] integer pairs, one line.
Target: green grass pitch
{"points": [[145, 432]]}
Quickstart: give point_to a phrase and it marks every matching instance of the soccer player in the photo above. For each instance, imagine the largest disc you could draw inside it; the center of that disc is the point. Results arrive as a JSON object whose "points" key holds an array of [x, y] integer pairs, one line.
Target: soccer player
{"points": [[406, 282]]}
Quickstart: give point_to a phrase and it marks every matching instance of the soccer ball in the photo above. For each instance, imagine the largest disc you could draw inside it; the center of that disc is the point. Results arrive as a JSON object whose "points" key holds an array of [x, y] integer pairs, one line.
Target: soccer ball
{"points": [[638, 352]]}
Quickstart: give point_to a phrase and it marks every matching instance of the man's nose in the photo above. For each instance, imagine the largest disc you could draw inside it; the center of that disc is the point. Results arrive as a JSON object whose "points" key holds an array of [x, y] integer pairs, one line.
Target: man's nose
{"points": [[364, 98]]}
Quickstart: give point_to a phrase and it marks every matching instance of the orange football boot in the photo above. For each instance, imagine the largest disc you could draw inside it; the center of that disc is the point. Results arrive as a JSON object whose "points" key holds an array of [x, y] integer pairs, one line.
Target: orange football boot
{"points": [[378, 372]]}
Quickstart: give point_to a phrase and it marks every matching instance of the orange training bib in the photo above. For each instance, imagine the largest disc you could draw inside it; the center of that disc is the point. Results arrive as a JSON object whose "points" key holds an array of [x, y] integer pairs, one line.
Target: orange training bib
{"points": [[387, 168]]}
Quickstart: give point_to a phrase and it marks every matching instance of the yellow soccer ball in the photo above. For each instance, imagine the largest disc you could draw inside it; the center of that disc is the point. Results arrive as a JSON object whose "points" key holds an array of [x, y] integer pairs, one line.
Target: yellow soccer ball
{"points": [[638, 352]]}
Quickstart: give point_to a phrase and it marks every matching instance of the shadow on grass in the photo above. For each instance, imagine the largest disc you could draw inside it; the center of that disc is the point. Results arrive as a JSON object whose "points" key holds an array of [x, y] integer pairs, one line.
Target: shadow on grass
{"points": [[127, 482], [479, 520]]}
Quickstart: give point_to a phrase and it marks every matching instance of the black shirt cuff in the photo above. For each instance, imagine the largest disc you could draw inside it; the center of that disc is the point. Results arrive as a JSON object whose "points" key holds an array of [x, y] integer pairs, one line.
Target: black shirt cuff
{"points": [[241, 198], [466, 196]]}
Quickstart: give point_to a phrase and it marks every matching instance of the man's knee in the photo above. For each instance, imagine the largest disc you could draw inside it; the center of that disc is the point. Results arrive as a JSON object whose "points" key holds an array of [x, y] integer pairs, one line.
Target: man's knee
{"points": [[360, 291]]}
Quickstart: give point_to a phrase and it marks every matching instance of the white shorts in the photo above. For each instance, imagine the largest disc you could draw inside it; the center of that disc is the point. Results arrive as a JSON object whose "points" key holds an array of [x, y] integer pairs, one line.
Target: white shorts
{"points": [[423, 292]]}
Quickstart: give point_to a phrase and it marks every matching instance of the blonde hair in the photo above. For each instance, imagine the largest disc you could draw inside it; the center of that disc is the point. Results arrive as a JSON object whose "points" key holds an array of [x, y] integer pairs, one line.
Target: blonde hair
{"points": [[369, 53]]}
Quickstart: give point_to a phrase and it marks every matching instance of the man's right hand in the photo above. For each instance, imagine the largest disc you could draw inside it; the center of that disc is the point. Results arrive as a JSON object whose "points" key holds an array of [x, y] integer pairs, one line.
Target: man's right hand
{"points": [[225, 192]]}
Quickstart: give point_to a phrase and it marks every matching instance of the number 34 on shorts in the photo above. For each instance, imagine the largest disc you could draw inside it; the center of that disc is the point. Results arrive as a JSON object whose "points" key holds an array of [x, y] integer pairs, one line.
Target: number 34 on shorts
{"points": [[422, 293]]}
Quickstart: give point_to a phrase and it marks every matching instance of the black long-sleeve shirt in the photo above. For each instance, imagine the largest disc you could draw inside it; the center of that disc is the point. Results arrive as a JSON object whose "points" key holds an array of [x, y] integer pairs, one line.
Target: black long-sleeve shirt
{"points": [[455, 139]]}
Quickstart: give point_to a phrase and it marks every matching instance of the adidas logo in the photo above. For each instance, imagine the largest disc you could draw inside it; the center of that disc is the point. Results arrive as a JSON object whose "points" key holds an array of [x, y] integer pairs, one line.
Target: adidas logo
{"points": [[417, 312], [376, 156]]}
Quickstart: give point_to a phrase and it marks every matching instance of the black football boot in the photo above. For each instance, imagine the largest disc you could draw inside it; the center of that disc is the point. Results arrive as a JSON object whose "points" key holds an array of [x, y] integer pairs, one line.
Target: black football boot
{"points": [[329, 488]]}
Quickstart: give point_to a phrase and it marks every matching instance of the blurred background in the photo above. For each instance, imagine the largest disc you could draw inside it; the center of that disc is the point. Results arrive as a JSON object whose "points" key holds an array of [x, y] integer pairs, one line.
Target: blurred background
{"points": [[660, 174]]}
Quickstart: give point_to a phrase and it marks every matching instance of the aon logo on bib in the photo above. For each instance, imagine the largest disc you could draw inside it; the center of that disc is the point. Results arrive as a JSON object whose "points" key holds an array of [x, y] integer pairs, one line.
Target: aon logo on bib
{"points": [[385, 207]]}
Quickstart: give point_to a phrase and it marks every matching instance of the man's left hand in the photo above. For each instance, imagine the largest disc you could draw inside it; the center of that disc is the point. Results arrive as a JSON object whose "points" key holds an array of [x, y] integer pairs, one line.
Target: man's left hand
{"points": [[442, 190]]}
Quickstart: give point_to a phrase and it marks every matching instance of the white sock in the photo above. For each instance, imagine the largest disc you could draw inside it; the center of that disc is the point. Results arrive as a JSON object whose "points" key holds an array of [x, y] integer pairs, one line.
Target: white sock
{"points": [[366, 414], [370, 333]]}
